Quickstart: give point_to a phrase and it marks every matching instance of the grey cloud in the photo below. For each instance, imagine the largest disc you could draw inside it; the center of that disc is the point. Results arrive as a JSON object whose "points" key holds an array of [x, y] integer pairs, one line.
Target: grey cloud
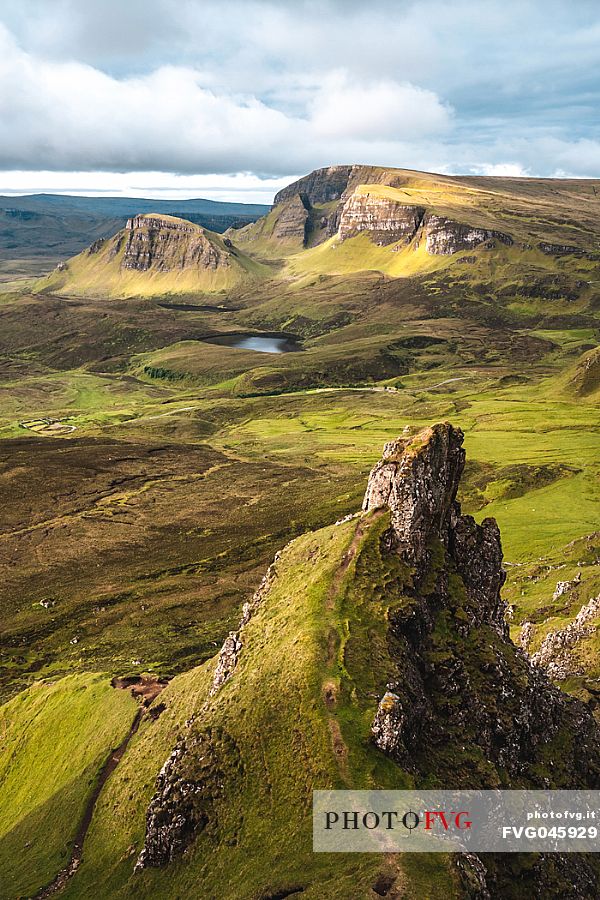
{"points": [[468, 85]]}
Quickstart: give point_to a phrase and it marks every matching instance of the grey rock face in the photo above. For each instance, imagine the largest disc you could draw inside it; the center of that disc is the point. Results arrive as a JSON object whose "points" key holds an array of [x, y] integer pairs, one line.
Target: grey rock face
{"points": [[165, 246], [387, 726], [469, 686], [417, 478], [556, 652], [292, 220], [186, 787], [477, 552], [228, 657], [562, 587], [386, 220], [321, 186], [445, 237], [559, 249]]}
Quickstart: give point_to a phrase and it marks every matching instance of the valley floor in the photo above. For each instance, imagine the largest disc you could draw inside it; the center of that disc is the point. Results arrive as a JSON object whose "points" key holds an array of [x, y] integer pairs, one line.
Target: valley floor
{"points": [[129, 543]]}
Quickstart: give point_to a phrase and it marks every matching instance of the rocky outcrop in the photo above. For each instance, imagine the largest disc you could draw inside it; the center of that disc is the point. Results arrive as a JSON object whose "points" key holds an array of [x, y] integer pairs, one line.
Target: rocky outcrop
{"points": [[556, 652], [461, 682], [163, 245], [186, 788], [192, 776], [564, 587], [386, 220], [96, 247], [417, 478], [230, 651], [460, 705], [292, 220], [559, 249], [444, 236], [321, 186]]}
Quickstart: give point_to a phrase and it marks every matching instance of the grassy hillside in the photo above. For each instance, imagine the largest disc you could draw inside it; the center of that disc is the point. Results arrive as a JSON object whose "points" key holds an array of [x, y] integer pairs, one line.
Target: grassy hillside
{"points": [[274, 740], [54, 739], [144, 511], [103, 270]]}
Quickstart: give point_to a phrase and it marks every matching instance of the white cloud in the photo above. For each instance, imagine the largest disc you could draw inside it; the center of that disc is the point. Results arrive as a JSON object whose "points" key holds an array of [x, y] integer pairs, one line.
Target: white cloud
{"points": [[61, 115], [279, 87], [383, 110], [242, 187], [506, 170]]}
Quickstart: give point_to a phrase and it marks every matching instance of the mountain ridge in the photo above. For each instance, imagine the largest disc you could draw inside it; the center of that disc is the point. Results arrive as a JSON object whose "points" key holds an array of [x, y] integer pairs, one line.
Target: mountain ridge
{"points": [[385, 634]]}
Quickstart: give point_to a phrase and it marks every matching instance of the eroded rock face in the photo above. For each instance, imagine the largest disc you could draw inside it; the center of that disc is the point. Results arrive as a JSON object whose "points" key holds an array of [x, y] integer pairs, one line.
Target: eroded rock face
{"points": [[186, 788], [556, 652], [444, 236], [386, 220], [163, 245], [232, 646], [460, 679], [292, 221], [417, 478], [321, 186], [388, 724], [559, 249]]}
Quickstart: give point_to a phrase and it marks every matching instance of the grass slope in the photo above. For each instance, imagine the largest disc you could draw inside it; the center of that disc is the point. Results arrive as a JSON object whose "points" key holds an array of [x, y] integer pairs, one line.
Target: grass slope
{"points": [[276, 739], [54, 739], [102, 272]]}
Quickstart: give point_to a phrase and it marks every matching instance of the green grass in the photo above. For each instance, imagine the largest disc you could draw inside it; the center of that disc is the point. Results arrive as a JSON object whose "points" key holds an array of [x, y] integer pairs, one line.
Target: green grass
{"points": [[102, 273], [272, 713], [54, 737]]}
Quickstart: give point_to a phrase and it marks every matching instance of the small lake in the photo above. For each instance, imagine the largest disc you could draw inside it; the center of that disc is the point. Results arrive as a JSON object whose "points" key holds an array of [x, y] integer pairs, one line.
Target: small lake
{"points": [[193, 307], [263, 343]]}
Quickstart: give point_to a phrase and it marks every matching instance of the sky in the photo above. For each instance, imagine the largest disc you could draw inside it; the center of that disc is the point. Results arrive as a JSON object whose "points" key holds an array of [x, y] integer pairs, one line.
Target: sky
{"points": [[233, 99]]}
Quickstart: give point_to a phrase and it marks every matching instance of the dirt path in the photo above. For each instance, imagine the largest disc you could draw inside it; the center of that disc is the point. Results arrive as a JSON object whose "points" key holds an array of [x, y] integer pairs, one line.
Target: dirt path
{"points": [[76, 853], [363, 523], [329, 687]]}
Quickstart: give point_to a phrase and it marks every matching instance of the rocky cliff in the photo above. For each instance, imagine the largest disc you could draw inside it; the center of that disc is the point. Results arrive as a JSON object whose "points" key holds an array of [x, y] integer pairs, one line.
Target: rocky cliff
{"points": [[386, 220], [163, 243], [351, 208], [319, 187], [154, 254], [386, 634], [501, 703], [291, 222]]}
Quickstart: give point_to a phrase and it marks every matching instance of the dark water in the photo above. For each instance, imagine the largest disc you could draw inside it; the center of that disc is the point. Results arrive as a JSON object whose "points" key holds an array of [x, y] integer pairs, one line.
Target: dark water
{"points": [[264, 343], [192, 307]]}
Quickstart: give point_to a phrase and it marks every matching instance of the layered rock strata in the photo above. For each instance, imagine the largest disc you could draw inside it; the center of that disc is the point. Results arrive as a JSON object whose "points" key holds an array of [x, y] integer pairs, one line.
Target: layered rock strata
{"points": [[164, 245]]}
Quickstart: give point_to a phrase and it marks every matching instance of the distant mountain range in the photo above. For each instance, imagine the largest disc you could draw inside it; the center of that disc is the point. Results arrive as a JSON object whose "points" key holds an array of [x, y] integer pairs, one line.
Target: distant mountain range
{"points": [[58, 226]]}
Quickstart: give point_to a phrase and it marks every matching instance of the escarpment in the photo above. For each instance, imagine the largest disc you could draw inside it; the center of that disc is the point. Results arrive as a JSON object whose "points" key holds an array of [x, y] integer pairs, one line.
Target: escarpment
{"points": [[345, 201], [444, 236], [388, 221], [165, 244], [460, 679], [382, 634]]}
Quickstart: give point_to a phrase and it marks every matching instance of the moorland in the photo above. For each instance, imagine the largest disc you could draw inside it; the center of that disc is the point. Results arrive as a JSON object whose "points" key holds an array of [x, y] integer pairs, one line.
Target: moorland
{"points": [[178, 405]]}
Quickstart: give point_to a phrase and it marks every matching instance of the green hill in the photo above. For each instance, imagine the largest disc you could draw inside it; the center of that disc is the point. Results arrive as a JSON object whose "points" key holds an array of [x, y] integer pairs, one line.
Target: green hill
{"points": [[57, 226], [154, 254], [393, 610], [158, 453]]}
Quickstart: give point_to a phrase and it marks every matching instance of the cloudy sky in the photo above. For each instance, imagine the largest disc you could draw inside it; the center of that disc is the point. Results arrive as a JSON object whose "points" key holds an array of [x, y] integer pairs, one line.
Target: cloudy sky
{"points": [[233, 98]]}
